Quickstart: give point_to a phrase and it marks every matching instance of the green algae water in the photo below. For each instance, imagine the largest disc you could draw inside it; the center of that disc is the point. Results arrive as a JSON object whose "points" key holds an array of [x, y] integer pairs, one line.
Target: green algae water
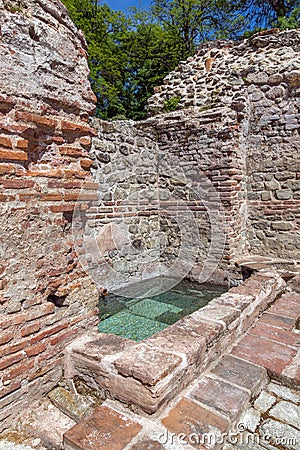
{"points": [[140, 318]]}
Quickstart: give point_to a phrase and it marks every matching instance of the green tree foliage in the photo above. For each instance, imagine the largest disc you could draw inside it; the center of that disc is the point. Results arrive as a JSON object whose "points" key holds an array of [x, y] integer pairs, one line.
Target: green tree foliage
{"points": [[193, 21], [261, 14], [130, 55]]}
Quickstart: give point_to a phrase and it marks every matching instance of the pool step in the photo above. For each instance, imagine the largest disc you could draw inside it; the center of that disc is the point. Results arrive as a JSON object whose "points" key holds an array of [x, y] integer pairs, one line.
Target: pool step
{"points": [[207, 409], [103, 429]]}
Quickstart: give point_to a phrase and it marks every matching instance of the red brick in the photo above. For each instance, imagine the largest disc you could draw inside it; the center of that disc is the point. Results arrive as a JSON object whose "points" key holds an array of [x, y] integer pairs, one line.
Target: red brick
{"points": [[77, 127], [86, 163], [57, 363], [86, 316], [65, 184], [36, 349], [90, 185], [71, 197], [86, 141], [13, 348], [21, 143], [54, 197], [17, 184], [221, 396], [20, 369], [71, 151], [89, 196], [63, 337], [7, 198], [13, 155], [6, 141], [10, 360], [40, 311], [30, 329], [6, 103], [103, 429], [188, 417], [31, 302], [29, 197], [48, 332], [53, 173], [14, 127], [54, 351], [285, 323], [7, 169], [6, 390], [271, 355], [276, 334], [6, 337], [62, 208], [71, 173], [16, 319], [40, 120], [287, 306]]}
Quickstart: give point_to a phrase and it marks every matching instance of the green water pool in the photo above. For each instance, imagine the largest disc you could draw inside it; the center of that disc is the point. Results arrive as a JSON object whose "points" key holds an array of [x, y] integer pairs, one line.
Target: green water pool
{"points": [[140, 318]]}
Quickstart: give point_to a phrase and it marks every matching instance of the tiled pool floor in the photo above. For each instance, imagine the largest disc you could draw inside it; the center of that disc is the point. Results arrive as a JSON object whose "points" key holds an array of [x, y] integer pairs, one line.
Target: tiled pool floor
{"points": [[140, 318]]}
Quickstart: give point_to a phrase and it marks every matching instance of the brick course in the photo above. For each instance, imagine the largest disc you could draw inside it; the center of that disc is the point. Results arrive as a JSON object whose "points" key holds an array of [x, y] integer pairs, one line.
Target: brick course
{"points": [[42, 143]]}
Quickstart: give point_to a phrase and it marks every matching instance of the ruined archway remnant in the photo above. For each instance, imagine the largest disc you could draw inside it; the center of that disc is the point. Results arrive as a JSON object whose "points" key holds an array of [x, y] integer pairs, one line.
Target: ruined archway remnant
{"points": [[46, 299]]}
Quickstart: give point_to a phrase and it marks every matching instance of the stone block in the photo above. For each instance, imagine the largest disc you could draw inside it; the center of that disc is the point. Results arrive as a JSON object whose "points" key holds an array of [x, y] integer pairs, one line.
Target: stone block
{"points": [[210, 331], [98, 345], [280, 434], [250, 419], [221, 396], [282, 226], [73, 405], [236, 301], [183, 340], [242, 373], [221, 314], [284, 392], [264, 402], [147, 364], [283, 194], [286, 412]]}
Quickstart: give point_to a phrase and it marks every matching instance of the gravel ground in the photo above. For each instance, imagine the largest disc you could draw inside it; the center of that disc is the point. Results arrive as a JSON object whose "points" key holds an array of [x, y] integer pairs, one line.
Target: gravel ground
{"points": [[6, 445]]}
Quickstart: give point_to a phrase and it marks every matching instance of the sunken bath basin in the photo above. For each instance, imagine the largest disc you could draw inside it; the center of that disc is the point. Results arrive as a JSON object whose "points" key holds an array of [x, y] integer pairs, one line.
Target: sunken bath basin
{"points": [[148, 374], [140, 316]]}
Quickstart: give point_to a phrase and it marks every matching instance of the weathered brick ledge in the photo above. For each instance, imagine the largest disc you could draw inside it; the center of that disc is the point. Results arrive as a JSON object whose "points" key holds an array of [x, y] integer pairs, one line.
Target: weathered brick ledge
{"points": [[148, 374]]}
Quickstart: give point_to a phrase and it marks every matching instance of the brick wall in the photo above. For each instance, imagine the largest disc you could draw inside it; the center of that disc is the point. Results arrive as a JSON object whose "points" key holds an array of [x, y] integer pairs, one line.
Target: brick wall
{"points": [[45, 103]]}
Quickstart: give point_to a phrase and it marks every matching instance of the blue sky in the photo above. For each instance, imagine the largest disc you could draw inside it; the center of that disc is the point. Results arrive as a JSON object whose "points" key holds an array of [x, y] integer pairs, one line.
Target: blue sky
{"points": [[123, 5]]}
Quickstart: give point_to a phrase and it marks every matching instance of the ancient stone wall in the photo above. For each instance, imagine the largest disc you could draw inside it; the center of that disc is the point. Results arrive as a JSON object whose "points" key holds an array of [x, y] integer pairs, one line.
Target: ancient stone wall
{"points": [[46, 299], [151, 218], [234, 137], [248, 95]]}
